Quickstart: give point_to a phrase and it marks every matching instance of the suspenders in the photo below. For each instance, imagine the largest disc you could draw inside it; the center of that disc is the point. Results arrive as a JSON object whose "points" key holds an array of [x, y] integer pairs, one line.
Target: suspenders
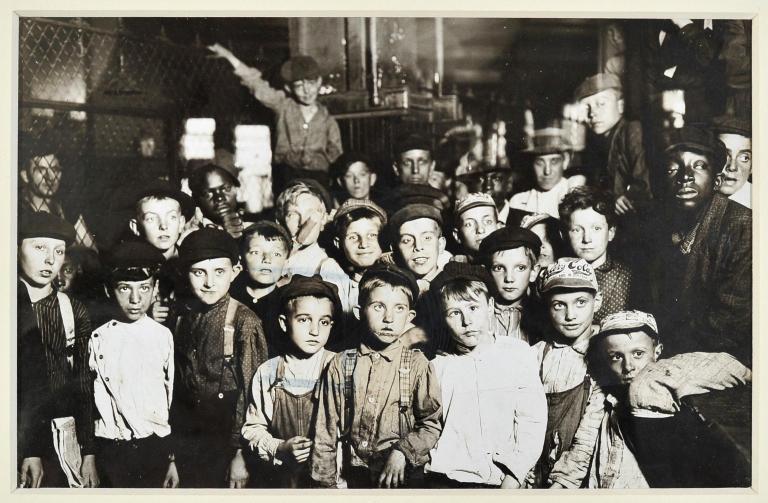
{"points": [[229, 342], [68, 317]]}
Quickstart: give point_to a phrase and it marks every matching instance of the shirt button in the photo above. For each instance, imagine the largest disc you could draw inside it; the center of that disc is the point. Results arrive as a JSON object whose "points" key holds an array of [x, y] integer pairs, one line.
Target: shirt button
{"points": [[114, 323], [101, 357], [95, 335], [376, 356], [305, 126], [371, 399], [106, 379], [364, 444]]}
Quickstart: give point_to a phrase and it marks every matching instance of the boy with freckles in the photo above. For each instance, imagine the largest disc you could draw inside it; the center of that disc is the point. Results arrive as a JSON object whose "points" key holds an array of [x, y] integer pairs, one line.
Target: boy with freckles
{"points": [[381, 400], [219, 345]]}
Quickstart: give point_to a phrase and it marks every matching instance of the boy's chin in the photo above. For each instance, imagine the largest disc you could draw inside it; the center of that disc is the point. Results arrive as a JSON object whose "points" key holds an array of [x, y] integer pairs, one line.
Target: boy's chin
{"points": [[210, 299]]}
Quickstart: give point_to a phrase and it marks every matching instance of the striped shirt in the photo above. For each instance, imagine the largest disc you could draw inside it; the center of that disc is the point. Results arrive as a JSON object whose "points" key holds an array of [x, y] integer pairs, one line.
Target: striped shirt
{"points": [[58, 391]]}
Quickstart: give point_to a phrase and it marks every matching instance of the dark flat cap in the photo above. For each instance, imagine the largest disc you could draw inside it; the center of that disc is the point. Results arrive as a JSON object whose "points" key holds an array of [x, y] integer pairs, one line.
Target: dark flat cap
{"points": [[41, 224], [692, 137], [133, 261], [412, 141], [727, 124], [161, 188], [208, 243], [312, 286], [596, 83], [341, 165], [412, 212], [414, 193], [299, 68], [391, 272], [507, 238], [458, 270]]}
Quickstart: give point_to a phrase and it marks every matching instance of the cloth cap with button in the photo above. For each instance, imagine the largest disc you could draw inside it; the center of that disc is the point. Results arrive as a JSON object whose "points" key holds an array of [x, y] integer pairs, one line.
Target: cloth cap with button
{"points": [[569, 273], [391, 271], [133, 261], [299, 67], [596, 83], [206, 244], [728, 124], [549, 140], [40, 224], [458, 270], [351, 205], [162, 189], [473, 200], [692, 137], [309, 286], [628, 320], [412, 141], [508, 238], [412, 212]]}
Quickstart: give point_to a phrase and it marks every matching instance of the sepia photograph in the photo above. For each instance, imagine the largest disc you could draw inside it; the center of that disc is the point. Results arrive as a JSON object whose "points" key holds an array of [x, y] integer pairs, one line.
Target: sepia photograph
{"points": [[407, 252]]}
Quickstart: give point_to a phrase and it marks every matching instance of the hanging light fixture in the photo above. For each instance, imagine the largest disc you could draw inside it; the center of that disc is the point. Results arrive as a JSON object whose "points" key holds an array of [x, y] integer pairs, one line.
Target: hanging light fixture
{"points": [[121, 84]]}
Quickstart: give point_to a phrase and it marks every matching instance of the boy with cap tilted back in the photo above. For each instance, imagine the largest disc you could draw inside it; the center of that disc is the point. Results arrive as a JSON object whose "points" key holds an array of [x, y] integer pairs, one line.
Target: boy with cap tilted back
{"points": [[132, 360], [494, 426], [510, 255], [284, 393], [381, 400], [571, 295], [475, 217], [53, 379], [307, 137], [219, 345], [635, 432]]}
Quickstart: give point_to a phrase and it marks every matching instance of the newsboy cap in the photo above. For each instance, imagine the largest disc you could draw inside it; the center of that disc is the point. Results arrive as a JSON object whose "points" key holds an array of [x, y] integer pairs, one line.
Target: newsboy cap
{"points": [[507, 238], [728, 124], [412, 141], [458, 270], [472, 200], [412, 212], [400, 275], [40, 224], [208, 243], [596, 83], [299, 68], [163, 189], [133, 260], [692, 137], [304, 286]]}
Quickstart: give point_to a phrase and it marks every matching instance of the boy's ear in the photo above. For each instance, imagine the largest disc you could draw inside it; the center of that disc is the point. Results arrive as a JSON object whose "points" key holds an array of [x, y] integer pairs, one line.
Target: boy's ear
{"points": [[411, 315], [336, 243], [657, 351], [456, 235], [287, 89], [566, 160], [620, 105], [134, 225], [107, 291], [283, 322], [24, 176], [396, 169], [441, 244], [534, 272], [373, 179], [611, 233], [598, 301], [356, 312], [236, 269]]}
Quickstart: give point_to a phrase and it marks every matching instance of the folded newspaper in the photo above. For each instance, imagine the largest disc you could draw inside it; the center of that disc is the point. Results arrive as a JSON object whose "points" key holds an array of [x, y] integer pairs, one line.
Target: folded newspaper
{"points": [[67, 449]]}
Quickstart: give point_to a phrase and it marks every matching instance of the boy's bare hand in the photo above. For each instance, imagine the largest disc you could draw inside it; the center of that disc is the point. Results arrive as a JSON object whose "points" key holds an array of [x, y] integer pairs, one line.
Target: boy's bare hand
{"points": [[624, 205], [223, 52], [295, 449], [238, 472], [31, 473], [171, 480], [393, 474], [88, 471], [159, 312]]}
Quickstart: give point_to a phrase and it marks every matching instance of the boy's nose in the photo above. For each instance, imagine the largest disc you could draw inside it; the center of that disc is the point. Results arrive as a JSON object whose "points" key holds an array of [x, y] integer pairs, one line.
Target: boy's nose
{"points": [[730, 165], [587, 236], [547, 169], [50, 258], [628, 365], [388, 316], [314, 328], [135, 297], [266, 259]]}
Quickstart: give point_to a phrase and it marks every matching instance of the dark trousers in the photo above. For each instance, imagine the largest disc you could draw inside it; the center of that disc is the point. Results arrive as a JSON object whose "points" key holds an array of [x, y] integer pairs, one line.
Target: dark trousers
{"points": [[134, 463], [364, 478], [434, 480]]}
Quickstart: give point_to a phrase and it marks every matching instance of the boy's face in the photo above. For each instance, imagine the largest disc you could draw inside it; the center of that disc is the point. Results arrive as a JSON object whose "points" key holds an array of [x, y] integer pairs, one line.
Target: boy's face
{"points": [[210, 279], [549, 170], [265, 259], [468, 321], [474, 225], [43, 175], [571, 312], [361, 242], [305, 219], [133, 297], [358, 180], [690, 179], [160, 222], [627, 354], [387, 312], [309, 323], [40, 260], [218, 193], [306, 91], [547, 254], [69, 270], [604, 110], [414, 166], [512, 272], [590, 234], [739, 164], [420, 243]]}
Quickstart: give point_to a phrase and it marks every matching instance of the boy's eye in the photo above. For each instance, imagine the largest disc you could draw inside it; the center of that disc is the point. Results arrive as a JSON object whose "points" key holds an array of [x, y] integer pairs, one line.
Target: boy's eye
{"points": [[615, 357], [672, 169], [302, 319], [522, 267], [39, 247], [197, 272], [581, 302], [59, 251], [277, 254], [145, 288], [638, 353], [745, 157], [452, 313], [497, 268], [220, 271], [700, 165], [406, 240], [400, 309], [474, 308], [558, 306], [469, 224]]}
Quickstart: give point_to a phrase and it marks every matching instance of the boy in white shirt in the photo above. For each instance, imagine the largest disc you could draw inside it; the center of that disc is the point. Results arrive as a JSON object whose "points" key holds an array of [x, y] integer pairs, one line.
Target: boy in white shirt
{"points": [[131, 357], [494, 427]]}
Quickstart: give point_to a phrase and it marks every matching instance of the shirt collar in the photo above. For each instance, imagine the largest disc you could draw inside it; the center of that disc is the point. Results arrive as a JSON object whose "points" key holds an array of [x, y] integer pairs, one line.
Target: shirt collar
{"points": [[607, 265], [387, 353]]}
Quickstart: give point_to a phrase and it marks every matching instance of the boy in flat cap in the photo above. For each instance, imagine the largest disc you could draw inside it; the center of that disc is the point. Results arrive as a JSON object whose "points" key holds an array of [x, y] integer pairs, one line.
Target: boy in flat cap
{"points": [[283, 399], [475, 217], [53, 379], [570, 293], [550, 155], [413, 159], [616, 152], [736, 135], [511, 255], [635, 432], [381, 400], [705, 259], [307, 137], [132, 360], [219, 345], [494, 426]]}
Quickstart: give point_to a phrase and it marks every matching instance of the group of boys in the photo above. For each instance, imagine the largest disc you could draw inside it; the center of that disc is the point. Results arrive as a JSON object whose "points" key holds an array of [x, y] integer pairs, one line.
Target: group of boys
{"points": [[408, 342]]}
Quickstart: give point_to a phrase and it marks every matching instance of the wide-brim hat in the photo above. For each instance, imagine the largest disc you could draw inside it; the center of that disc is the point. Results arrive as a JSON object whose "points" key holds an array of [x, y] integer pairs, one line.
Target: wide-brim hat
{"points": [[549, 140]]}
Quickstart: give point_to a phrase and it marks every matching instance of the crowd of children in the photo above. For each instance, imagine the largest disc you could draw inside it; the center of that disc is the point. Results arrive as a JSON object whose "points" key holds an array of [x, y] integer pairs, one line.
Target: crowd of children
{"points": [[362, 337]]}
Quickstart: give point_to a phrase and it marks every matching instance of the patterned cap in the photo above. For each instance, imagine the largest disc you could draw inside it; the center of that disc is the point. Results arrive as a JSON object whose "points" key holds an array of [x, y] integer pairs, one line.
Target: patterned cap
{"points": [[568, 273], [626, 320], [595, 84], [473, 200], [353, 204]]}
